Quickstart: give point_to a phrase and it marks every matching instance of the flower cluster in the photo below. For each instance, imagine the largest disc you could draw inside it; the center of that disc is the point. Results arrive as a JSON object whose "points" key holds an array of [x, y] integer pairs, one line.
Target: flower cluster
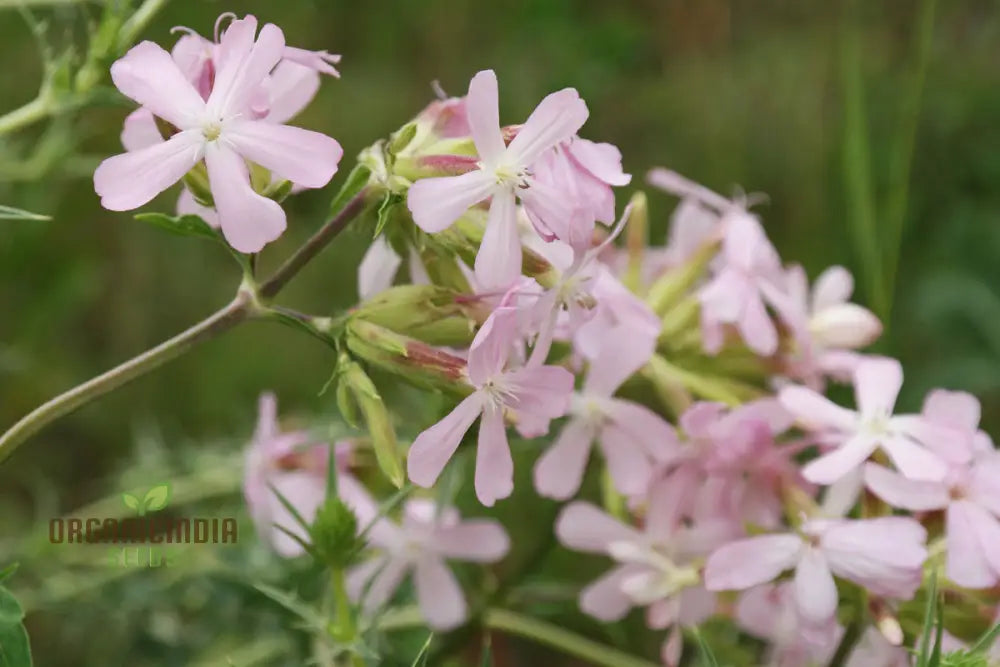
{"points": [[696, 368]]}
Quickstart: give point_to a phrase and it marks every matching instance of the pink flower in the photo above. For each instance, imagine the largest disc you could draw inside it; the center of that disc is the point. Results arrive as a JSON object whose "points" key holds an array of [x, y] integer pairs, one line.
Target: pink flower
{"points": [[827, 327], [503, 176], [631, 436], [769, 612], [654, 567], [749, 278], [295, 465], [536, 392], [884, 555], [857, 434], [421, 544], [217, 129], [969, 494]]}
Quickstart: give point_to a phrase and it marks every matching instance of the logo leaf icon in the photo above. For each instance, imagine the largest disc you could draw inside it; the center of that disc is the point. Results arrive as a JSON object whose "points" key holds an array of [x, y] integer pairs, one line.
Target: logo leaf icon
{"points": [[130, 501], [156, 498]]}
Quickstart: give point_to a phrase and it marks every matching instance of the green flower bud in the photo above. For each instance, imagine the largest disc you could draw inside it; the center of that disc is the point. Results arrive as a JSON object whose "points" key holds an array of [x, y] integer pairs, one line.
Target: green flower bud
{"points": [[670, 288], [636, 237], [377, 420], [425, 312], [334, 533]]}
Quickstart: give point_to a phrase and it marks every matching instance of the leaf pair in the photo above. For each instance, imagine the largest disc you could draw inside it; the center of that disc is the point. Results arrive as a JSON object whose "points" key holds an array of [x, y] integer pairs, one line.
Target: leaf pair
{"points": [[155, 499]]}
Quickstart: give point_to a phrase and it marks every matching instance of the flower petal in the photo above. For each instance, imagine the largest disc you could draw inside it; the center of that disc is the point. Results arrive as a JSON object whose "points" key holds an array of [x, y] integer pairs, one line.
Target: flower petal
{"points": [[494, 478], [303, 157], [885, 555], [188, 205], [604, 598], [815, 411], [129, 180], [832, 287], [914, 461], [483, 113], [140, 131], [616, 361], [148, 75], [833, 465], [877, 381], [492, 345], [498, 262], [603, 161], [384, 583], [971, 534], [248, 220], [377, 269], [478, 540], [243, 64], [560, 469], [439, 595], [628, 465], [903, 493], [554, 120], [434, 447], [585, 527], [438, 202], [290, 88], [815, 591], [647, 429], [542, 391], [745, 563]]}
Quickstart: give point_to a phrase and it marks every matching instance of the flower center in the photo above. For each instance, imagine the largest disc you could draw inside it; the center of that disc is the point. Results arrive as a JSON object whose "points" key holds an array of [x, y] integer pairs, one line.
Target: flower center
{"points": [[211, 130], [510, 176]]}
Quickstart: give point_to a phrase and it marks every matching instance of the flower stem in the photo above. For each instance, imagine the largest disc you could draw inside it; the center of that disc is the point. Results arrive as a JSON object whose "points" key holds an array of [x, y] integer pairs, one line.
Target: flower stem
{"points": [[25, 115], [847, 643], [312, 247], [346, 629], [60, 406]]}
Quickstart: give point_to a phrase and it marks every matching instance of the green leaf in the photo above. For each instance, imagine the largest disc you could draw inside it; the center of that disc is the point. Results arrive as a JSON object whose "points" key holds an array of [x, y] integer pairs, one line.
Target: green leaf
{"points": [[421, 659], [486, 657], [11, 213], [184, 225], [704, 652], [15, 651], [356, 181], [156, 498], [930, 613], [7, 571], [300, 608], [130, 501], [982, 645], [290, 507], [385, 210]]}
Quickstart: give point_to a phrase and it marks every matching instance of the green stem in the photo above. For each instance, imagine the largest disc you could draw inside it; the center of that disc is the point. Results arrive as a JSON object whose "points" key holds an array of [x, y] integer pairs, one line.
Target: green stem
{"points": [[62, 405], [138, 22], [32, 112], [346, 628], [902, 156], [847, 643]]}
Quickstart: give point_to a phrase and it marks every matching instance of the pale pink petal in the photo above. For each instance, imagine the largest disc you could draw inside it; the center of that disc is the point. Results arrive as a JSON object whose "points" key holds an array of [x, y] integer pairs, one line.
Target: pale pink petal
{"points": [[193, 55], [433, 448], [815, 591], [833, 465], [903, 493], [604, 599], [241, 71], [438, 202], [542, 391], [140, 131], [698, 420], [585, 527], [356, 496], [628, 465], [952, 408], [832, 287], [696, 605], [815, 411], [967, 564], [188, 205], [290, 88], [553, 214], [672, 648], [248, 220], [877, 381], [914, 461], [492, 345], [129, 180], [560, 469], [385, 582], [319, 61], [885, 555], [267, 418], [616, 361], [745, 563], [757, 328], [602, 160], [439, 595], [645, 428], [377, 269], [494, 477], [303, 157], [554, 120], [498, 262], [359, 576], [148, 75], [478, 540], [846, 325], [483, 113], [953, 443]]}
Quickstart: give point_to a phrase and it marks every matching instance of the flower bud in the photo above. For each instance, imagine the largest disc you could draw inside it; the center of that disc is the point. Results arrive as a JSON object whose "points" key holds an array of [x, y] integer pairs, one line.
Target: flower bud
{"points": [[376, 417], [845, 325], [334, 533], [425, 312], [196, 180], [410, 359], [671, 287], [636, 236]]}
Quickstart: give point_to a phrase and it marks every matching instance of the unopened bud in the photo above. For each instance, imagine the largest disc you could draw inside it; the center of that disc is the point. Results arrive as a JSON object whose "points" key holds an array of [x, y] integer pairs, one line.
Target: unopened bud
{"points": [[334, 533], [636, 237], [376, 416], [673, 285], [425, 312], [845, 325]]}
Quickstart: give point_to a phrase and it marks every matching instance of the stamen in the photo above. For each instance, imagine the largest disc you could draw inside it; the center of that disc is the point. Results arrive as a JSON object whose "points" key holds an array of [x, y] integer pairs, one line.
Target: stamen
{"points": [[218, 23]]}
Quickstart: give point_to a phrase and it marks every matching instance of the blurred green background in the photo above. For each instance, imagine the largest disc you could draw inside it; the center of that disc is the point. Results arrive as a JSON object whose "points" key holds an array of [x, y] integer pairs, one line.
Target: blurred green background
{"points": [[754, 94]]}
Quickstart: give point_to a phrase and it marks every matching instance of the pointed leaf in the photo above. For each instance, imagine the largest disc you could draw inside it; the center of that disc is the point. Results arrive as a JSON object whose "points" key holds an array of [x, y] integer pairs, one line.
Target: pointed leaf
{"points": [[157, 497], [130, 501], [421, 659], [356, 181], [11, 213], [183, 225], [385, 211]]}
